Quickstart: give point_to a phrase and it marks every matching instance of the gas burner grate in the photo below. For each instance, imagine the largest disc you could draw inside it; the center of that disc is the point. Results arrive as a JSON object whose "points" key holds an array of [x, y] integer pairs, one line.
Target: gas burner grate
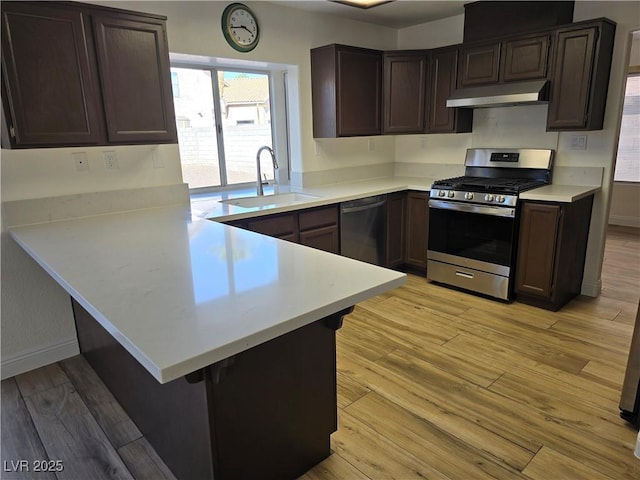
{"points": [[489, 184]]}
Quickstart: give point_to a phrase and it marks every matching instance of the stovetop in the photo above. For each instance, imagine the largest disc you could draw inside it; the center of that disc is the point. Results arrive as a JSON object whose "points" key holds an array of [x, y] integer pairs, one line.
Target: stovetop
{"points": [[496, 176], [468, 183]]}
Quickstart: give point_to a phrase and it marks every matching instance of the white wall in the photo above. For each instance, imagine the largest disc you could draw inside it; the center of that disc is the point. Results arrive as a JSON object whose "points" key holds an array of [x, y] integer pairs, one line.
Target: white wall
{"points": [[448, 31], [37, 323]]}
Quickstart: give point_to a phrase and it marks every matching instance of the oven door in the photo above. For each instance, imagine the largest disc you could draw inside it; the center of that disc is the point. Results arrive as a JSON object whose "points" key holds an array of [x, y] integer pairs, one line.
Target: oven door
{"points": [[471, 246]]}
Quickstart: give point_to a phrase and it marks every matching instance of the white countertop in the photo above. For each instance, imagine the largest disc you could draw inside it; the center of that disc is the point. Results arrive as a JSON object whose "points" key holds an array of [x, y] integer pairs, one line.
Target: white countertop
{"points": [[209, 206], [559, 193], [180, 293]]}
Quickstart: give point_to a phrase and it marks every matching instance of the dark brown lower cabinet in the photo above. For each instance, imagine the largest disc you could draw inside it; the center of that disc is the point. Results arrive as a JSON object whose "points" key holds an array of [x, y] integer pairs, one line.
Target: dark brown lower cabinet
{"points": [[406, 231], [314, 227], [319, 228], [284, 226], [396, 206], [267, 412], [551, 252], [323, 238], [417, 230]]}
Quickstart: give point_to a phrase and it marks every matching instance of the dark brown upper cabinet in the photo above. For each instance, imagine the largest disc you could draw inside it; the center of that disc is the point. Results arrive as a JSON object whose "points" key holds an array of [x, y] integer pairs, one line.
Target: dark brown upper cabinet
{"points": [[50, 84], [443, 68], [580, 76], [346, 90], [525, 58], [479, 65], [405, 87], [134, 70], [514, 59], [78, 74]]}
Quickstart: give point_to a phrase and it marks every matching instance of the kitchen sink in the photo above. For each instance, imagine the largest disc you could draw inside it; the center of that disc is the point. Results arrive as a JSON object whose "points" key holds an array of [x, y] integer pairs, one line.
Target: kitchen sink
{"points": [[275, 200]]}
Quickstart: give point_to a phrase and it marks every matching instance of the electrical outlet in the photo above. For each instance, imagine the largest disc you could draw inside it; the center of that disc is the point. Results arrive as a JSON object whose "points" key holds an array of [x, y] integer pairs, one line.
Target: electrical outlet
{"points": [[156, 159], [371, 145], [80, 161], [578, 142], [110, 160]]}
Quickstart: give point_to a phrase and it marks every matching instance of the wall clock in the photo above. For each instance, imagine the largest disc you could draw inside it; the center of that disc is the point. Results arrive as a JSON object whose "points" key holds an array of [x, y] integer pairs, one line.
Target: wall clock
{"points": [[240, 27]]}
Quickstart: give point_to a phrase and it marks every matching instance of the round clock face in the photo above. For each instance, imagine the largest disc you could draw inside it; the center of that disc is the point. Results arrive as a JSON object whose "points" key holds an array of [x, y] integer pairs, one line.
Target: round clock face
{"points": [[240, 27]]}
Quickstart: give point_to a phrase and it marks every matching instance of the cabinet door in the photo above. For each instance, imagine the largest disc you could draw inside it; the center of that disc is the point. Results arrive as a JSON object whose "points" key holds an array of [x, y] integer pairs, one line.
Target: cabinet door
{"points": [[417, 229], [319, 228], [359, 92], [526, 58], [284, 227], [134, 70], [404, 92], [51, 89], [479, 65], [443, 73], [323, 238], [395, 228], [537, 247], [571, 79]]}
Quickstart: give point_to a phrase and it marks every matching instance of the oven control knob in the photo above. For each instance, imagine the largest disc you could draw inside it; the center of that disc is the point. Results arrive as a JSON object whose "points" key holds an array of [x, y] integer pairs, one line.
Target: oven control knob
{"points": [[468, 195], [450, 194], [500, 199], [441, 193], [488, 197]]}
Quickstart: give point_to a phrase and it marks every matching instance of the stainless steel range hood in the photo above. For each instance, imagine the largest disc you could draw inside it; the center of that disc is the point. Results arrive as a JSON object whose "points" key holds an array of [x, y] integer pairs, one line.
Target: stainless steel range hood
{"points": [[506, 94]]}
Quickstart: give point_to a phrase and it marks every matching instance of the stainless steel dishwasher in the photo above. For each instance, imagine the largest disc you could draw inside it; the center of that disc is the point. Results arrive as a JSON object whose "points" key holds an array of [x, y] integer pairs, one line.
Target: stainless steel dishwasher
{"points": [[362, 229]]}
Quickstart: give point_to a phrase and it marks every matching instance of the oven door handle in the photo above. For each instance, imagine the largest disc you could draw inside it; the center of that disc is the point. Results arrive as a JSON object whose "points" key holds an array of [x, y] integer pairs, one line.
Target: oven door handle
{"points": [[474, 208]]}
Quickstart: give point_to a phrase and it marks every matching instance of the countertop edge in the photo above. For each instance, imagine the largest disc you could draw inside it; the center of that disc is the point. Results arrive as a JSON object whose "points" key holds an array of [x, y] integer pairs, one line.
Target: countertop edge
{"points": [[176, 371], [560, 193]]}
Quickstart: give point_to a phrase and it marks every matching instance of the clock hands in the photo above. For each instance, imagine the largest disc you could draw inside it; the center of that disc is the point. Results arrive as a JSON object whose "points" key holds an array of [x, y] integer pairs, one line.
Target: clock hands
{"points": [[233, 27]]}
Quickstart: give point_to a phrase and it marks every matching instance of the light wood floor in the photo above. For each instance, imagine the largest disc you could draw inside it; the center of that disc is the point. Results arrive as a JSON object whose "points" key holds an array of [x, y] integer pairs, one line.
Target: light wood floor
{"points": [[432, 383]]}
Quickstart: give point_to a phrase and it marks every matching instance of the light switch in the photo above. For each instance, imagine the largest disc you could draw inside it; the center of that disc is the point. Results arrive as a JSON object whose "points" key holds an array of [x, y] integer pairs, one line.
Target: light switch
{"points": [[110, 160], [579, 142]]}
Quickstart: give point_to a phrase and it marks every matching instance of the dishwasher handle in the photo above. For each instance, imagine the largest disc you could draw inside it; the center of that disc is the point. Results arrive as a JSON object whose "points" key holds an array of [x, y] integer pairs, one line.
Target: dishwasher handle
{"points": [[349, 209]]}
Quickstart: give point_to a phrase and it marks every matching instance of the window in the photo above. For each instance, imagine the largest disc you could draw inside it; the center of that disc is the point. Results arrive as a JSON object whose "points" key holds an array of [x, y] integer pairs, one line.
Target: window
{"points": [[223, 118], [628, 160]]}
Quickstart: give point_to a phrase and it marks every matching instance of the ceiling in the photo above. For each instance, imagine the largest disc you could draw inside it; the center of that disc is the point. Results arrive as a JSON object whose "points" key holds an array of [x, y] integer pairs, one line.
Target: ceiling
{"points": [[397, 14]]}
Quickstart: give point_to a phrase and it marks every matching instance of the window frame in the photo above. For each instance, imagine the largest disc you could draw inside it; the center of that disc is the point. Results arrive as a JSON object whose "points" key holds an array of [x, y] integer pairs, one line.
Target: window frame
{"points": [[222, 162], [631, 72]]}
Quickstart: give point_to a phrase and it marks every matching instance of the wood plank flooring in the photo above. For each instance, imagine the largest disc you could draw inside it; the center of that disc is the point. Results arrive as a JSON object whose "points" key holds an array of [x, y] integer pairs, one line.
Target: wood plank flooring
{"points": [[432, 383]]}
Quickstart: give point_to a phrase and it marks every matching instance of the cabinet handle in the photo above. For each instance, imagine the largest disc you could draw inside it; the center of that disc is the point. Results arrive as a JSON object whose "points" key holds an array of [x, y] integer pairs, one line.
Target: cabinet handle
{"points": [[12, 132], [464, 274]]}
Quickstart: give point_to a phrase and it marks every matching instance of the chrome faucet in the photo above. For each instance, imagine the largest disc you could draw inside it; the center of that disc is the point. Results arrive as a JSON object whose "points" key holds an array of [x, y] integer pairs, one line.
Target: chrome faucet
{"points": [[275, 167]]}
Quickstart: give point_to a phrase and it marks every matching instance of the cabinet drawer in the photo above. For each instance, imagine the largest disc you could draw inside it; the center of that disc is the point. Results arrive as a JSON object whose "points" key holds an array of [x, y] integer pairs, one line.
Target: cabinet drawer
{"points": [[318, 218], [323, 238], [274, 226]]}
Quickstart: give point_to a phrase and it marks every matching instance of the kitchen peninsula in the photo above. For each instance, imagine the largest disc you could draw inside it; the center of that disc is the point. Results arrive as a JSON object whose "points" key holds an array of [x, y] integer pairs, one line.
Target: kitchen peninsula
{"points": [[219, 342]]}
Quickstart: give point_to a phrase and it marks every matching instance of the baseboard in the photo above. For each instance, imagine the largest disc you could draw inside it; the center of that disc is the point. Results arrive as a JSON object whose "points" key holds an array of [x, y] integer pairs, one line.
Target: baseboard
{"points": [[624, 221], [30, 360], [591, 289]]}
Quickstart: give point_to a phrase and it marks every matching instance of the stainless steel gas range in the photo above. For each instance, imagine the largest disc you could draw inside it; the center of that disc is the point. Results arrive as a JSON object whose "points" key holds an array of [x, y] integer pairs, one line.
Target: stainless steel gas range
{"points": [[473, 219]]}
